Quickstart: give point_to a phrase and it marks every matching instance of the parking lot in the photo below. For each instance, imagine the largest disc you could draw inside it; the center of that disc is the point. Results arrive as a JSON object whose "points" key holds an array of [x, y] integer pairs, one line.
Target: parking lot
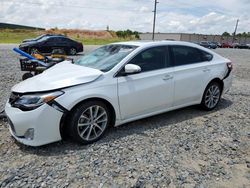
{"points": [[183, 148]]}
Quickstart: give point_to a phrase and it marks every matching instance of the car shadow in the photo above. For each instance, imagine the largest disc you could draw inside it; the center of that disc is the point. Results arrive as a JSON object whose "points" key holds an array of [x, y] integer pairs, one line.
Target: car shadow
{"points": [[116, 133]]}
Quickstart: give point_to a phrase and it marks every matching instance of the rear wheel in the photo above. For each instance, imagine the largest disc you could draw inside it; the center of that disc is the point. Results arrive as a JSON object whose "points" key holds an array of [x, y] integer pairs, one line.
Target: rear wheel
{"points": [[211, 96], [89, 121]]}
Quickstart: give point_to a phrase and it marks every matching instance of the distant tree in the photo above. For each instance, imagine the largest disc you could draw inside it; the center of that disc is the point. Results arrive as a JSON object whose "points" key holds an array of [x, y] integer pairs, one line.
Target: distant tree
{"points": [[239, 35], [128, 34], [244, 34], [136, 35], [120, 34], [225, 34]]}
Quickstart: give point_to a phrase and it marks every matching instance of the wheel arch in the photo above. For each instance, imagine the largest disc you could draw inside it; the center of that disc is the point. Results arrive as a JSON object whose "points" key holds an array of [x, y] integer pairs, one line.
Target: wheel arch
{"points": [[219, 81], [221, 85], [64, 123]]}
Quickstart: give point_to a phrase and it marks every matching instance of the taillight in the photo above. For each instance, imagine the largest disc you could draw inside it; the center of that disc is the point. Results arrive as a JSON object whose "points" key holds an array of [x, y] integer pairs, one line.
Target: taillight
{"points": [[230, 65]]}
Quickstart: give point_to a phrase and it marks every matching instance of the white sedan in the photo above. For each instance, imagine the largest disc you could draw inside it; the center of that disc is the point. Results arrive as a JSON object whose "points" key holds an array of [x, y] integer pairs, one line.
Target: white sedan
{"points": [[113, 85]]}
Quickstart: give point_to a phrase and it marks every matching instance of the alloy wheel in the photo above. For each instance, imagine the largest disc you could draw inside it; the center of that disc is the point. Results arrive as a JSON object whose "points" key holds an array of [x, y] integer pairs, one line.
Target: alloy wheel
{"points": [[92, 123], [212, 96]]}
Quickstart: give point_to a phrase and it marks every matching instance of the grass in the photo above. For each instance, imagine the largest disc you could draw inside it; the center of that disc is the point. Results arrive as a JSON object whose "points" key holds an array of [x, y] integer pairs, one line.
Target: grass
{"points": [[15, 36], [18, 35]]}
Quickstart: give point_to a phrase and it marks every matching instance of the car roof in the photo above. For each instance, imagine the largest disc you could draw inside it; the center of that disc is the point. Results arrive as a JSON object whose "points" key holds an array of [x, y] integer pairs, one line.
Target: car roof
{"points": [[156, 43], [57, 36], [146, 44]]}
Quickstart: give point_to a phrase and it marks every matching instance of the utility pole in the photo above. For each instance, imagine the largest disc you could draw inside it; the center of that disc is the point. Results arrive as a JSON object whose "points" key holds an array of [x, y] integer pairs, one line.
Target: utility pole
{"points": [[235, 30], [153, 36]]}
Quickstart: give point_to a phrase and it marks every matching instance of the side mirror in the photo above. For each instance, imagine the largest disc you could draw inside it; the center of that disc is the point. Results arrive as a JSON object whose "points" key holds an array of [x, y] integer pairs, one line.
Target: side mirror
{"points": [[132, 69]]}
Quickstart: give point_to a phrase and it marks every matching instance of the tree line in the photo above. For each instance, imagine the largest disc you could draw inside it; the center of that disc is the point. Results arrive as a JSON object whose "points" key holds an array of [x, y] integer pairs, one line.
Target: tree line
{"points": [[244, 34], [127, 34]]}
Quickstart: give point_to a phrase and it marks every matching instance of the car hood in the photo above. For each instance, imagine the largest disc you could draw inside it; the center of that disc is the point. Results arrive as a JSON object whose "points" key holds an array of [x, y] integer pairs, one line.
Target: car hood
{"points": [[64, 74], [28, 43]]}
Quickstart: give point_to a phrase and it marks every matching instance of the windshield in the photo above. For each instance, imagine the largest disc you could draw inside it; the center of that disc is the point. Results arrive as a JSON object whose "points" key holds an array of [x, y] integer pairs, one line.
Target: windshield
{"points": [[39, 37], [106, 57], [43, 39]]}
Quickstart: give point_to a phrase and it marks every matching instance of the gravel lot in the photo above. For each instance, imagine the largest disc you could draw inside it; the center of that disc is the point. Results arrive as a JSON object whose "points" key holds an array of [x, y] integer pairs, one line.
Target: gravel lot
{"points": [[183, 148]]}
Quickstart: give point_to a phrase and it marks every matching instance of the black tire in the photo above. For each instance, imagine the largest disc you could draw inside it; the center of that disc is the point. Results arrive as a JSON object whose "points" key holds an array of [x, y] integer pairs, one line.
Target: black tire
{"points": [[212, 87], [80, 131], [27, 75], [33, 50], [72, 51]]}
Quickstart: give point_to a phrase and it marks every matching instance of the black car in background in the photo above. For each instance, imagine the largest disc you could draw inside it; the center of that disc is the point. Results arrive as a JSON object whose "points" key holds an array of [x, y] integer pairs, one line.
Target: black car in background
{"points": [[49, 43], [40, 37], [208, 44]]}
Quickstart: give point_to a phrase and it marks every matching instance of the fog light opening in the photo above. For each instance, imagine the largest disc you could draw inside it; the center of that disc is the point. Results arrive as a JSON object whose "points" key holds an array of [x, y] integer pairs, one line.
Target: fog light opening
{"points": [[29, 134]]}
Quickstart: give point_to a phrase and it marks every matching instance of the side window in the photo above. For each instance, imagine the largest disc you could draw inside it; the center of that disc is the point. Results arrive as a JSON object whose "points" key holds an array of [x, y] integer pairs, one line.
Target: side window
{"points": [[184, 55], [62, 39], [52, 40], [206, 56], [151, 59]]}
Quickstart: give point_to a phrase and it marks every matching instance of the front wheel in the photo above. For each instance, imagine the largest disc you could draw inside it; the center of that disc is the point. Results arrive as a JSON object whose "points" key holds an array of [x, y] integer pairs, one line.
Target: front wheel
{"points": [[89, 121], [211, 96], [33, 51]]}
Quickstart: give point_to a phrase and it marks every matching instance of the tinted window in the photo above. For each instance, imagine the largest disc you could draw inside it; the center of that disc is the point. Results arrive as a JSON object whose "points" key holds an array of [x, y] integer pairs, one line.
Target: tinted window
{"points": [[151, 59], [184, 55], [43, 39], [52, 39], [67, 40], [206, 56], [61, 39]]}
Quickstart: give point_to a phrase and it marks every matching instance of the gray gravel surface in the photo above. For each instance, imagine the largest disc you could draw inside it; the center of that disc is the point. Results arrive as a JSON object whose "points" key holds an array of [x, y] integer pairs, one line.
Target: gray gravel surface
{"points": [[183, 148]]}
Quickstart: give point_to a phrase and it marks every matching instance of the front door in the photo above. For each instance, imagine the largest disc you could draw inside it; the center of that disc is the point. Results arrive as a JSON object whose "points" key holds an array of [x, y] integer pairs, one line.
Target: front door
{"points": [[149, 91]]}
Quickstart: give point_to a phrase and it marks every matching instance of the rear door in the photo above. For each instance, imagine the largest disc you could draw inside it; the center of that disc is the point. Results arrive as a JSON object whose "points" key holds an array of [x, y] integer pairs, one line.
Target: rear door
{"points": [[149, 91], [191, 74], [49, 44]]}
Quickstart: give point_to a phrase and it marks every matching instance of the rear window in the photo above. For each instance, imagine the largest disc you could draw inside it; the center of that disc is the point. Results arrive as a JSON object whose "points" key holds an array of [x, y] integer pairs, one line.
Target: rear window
{"points": [[184, 55]]}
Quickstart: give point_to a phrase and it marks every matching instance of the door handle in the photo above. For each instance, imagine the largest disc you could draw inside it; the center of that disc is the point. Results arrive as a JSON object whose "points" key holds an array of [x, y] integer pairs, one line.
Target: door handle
{"points": [[167, 77]]}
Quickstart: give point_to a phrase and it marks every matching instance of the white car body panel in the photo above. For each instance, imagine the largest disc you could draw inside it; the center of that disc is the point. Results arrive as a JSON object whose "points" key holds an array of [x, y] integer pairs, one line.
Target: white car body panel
{"points": [[148, 92], [44, 120], [132, 97], [190, 78]]}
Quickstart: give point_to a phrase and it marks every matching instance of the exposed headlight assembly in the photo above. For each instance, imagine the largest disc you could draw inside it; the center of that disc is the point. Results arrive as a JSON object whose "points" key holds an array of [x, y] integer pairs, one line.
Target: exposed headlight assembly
{"points": [[33, 101]]}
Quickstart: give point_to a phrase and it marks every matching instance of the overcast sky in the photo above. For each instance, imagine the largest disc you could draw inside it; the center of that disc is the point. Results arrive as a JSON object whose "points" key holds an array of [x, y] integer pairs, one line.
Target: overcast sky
{"points": [[191, 16]]}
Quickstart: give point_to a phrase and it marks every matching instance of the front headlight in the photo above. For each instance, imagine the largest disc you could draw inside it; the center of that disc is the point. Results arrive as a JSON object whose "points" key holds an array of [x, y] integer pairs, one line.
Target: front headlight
{"points": [[33, 101]]}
